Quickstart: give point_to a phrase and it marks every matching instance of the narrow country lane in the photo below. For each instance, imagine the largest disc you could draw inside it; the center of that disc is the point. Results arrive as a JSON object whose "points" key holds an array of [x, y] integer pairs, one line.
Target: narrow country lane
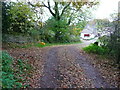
{"points": [[65, 66], [50, 74], [91, 72]]}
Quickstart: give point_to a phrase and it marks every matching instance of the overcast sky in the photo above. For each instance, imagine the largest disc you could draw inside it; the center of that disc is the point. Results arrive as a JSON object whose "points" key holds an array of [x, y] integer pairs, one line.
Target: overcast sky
{"points": [[105, 8]]}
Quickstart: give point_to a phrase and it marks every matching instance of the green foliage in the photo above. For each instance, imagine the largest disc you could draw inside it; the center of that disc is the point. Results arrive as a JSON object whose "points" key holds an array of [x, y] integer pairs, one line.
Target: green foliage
{"points": [[58, 31], [18, 16], [112, 42], [12, 73], [101, 24], [8, 78], [5, 17], [104, 40], [34, 33], [13, 45], [96, 49], [19, 19]]}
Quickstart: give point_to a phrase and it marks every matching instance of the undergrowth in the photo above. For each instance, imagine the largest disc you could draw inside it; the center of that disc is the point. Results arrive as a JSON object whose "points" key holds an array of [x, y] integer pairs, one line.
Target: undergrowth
{"points": [[14, 72], [102, 53], [96, 49]]}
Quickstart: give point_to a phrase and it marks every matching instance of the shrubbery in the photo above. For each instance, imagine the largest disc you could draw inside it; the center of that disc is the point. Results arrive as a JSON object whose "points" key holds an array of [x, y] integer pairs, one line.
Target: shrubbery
{"points": [[13, 75], [17, 17], [112, 42], [96, 49], [8, 78], [59, 31]]}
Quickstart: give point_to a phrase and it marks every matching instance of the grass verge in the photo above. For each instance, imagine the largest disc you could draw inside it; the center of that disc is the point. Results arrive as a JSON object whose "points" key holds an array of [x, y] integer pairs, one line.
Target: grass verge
{"points": [[28, 45], [92, 48]]}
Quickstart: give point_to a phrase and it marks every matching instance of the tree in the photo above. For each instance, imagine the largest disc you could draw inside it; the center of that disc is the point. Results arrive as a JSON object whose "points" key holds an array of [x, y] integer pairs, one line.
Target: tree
{"points": [[114, 42], [101, 24], [17, 17], [62, 12], [60, 8], [55, 31], [5, 17], [83, 18]]}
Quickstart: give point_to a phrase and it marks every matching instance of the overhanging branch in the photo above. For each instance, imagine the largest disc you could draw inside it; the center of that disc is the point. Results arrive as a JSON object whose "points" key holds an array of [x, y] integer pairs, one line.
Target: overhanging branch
{"points": [[49, 8], [65, 8]]}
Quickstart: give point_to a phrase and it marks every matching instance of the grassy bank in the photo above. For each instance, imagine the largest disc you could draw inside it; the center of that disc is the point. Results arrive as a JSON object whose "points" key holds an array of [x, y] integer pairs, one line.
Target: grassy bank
{"points": [[28, 45]]}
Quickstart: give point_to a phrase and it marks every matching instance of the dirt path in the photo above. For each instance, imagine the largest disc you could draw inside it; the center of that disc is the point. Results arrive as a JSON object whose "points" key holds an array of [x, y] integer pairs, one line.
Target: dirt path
{"points": [[63, 67], [91, 72], [61, 57], [50, 74]]}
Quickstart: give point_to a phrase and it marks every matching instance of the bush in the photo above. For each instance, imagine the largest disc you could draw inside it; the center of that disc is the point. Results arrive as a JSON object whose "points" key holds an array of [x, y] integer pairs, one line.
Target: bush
{"points": [[104, 40], [55, 31], [8, 78], [96, 49], [58, 32], [112, 41], [17, 17], [13, 75], [35, 34]]}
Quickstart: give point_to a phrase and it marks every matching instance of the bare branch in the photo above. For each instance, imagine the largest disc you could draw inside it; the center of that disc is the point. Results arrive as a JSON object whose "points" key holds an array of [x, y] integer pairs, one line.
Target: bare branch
{"points": [[69, 21], [50, 9], [45, 5], [31, 4], [65, 8]]}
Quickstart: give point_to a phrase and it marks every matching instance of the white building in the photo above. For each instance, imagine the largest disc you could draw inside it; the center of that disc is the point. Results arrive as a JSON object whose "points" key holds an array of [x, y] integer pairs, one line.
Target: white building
{"points": [[89, 32]]}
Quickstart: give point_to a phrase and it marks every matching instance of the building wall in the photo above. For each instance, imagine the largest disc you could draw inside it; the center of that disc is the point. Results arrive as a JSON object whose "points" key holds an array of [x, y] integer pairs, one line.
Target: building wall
{"points": [[91, 36]]}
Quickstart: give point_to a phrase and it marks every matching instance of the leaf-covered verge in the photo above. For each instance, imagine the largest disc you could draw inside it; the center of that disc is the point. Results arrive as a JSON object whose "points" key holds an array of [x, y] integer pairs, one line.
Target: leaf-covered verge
{"points": [[14, 72], [108, 69], [102, 52], [107, 65]]}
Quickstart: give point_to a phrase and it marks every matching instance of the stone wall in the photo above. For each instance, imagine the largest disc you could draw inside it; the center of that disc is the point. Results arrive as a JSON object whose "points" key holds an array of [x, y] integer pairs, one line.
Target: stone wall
{"points": [[17, 38]]}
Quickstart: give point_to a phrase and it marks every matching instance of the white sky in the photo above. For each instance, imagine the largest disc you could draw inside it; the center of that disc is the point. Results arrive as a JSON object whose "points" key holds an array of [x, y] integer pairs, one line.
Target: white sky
{"points": [[105, 8]]}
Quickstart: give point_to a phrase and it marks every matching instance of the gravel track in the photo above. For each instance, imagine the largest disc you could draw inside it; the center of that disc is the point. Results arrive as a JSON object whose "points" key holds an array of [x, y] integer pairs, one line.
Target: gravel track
{"points": [[59, 61], [64, 66]]}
